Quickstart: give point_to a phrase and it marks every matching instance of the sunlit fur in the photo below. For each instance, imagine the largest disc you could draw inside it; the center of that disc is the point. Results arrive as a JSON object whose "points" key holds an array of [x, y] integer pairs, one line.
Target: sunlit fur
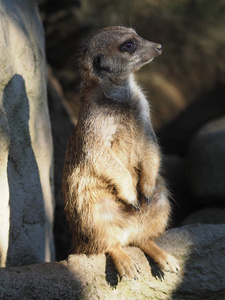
{"points": [[113, 160]]}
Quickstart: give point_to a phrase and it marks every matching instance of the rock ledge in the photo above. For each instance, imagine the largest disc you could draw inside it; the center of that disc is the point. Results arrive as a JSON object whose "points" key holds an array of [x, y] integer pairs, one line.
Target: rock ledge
{"points": [[200, 250]]}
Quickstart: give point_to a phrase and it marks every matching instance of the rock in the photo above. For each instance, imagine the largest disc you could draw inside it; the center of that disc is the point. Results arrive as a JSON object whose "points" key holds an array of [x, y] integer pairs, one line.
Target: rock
{"points": [[176, 136], [213, 126], [200, 250], [206, 163], [207, 215], [26, 178]]}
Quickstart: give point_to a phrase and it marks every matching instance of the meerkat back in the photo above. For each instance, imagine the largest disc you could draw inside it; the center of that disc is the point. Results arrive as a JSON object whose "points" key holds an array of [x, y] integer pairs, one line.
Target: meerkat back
{"points": [[113, 193]]}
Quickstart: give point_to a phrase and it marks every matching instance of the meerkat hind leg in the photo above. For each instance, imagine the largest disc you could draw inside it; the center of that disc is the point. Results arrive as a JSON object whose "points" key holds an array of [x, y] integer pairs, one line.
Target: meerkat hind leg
{"points": [[124, 263], [166, 261]]}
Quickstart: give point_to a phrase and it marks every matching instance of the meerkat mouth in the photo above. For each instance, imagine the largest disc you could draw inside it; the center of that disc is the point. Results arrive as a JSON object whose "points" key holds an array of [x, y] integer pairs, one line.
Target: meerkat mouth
{"points": [[146, 61]]}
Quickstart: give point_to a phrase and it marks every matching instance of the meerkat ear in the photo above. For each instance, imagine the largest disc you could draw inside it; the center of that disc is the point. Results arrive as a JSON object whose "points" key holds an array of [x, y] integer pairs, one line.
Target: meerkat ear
{"points": [[85, 50], [98, 65]]}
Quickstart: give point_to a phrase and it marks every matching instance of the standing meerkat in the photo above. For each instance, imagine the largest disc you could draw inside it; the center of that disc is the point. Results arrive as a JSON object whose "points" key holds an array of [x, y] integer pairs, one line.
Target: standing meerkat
{"points": [[113, 193]]}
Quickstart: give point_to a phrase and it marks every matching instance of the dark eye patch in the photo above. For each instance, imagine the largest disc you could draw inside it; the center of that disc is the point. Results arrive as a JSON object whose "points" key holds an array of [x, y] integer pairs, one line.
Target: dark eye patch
{"points": [[128, 46], [97, 66]]}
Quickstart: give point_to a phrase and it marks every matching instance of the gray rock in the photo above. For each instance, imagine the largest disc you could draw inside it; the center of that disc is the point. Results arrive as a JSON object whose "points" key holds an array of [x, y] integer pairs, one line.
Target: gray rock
{"points": [[200, 250], [26, 179], [206, 163], [207, 215], [213, 126]]}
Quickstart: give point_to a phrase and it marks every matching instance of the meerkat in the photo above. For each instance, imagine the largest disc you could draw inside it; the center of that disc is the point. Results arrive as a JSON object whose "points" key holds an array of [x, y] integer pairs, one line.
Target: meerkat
{"points": [[113, 191]]}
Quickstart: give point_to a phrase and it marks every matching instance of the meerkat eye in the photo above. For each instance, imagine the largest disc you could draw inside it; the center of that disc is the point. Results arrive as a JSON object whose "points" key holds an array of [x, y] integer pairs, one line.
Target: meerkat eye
{"points": [[128, 46]]}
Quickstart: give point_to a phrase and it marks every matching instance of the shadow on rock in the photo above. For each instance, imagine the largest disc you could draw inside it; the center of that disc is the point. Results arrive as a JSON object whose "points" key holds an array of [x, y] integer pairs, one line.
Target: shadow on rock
{"points": [[27, 212], [156, 271], [40, 281], [112, 275]]}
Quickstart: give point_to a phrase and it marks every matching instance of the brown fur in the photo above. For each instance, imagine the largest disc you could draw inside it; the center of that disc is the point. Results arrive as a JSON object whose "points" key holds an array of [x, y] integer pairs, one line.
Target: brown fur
{"points": [[112, 160]]}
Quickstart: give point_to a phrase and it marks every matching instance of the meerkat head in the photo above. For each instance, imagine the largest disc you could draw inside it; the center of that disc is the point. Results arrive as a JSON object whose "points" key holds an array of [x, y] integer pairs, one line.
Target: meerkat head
{"points": [[114, 53]]}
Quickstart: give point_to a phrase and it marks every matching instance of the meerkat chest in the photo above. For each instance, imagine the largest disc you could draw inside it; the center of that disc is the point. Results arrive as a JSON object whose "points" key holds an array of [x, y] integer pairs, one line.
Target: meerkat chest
{"points": [[133, 124], [128, 140]]}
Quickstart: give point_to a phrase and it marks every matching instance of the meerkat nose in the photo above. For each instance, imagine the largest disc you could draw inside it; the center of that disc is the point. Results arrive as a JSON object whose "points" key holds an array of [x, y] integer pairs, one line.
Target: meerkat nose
{"points": [[159, 48]]}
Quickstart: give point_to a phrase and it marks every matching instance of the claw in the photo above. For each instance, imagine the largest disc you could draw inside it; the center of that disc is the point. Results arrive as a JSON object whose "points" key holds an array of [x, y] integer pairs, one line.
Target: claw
{"points": [[136, 206], [148, 199], [130, 271], [137, 268], [171, 264], [160, 277]]}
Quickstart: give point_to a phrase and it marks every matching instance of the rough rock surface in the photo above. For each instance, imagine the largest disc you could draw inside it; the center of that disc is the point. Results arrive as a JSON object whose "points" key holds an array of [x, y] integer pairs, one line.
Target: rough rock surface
{"points": [[175, 138], [26, 180], [200, 250], [206, 163]]}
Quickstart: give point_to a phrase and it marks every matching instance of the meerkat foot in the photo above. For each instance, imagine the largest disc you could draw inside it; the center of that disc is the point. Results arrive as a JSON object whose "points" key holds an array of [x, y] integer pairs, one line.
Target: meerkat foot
{"points": [[124, 263], [166, 261], [170, 264]]}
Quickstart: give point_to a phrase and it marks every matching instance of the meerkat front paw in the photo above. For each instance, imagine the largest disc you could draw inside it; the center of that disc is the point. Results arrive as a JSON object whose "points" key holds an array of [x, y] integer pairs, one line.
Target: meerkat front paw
{"points": [[148, 191], [148, 199], [127, 194], [130, 197]]}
